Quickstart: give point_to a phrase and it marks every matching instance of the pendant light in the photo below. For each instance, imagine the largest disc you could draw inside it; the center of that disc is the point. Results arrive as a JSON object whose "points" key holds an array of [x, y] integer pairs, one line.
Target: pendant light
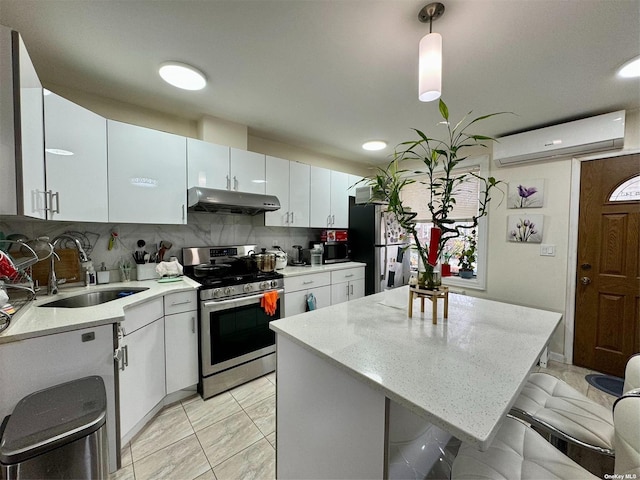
{"points": [[430, 59]]}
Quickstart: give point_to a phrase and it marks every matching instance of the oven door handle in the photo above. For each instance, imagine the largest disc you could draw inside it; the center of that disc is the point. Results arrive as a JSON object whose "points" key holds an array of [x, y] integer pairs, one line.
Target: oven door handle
{"points": [[238, 301]]}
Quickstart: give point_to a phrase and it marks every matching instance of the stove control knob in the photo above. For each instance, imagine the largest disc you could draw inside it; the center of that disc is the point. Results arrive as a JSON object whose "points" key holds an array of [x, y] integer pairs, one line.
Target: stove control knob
{"points": [[263, 285], [274, 283], [248, 287], [217, 292], [228, 290]]}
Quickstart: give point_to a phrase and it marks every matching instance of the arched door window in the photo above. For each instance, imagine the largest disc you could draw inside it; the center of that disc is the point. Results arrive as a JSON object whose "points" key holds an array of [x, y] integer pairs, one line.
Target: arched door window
{"points": [[627, 191]]}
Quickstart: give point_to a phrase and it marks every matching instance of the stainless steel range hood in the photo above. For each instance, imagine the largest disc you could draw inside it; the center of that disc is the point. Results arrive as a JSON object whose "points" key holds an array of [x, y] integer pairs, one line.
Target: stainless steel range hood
{"points": [[229, 201]]}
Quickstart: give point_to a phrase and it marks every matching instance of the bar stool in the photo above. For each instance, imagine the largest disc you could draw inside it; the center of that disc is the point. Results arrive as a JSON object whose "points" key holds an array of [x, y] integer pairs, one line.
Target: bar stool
{"points": [[519, 453], [566, 416]]}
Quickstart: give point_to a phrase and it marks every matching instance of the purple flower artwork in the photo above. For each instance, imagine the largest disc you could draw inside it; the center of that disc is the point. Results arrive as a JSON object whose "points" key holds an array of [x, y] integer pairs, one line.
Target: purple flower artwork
{"points": [[526, 194], [525, 228]]}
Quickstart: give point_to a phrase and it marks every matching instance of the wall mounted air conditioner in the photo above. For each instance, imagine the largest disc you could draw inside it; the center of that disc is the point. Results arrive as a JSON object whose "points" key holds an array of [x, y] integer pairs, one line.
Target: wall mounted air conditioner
{"points": [[589, 135]]}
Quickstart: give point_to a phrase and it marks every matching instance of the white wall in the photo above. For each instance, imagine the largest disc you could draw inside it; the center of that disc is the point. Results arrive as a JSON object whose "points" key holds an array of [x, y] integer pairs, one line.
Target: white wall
{"points": [[517, 273]]}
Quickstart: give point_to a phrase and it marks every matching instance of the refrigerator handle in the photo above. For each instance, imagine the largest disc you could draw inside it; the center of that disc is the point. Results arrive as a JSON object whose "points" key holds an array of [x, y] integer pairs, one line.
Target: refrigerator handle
{"points": [[384, 272]]}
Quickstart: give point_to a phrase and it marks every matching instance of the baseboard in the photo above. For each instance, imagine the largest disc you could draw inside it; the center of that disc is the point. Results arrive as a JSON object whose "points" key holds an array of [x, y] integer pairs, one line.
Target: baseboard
{"points": [[557, 357]]}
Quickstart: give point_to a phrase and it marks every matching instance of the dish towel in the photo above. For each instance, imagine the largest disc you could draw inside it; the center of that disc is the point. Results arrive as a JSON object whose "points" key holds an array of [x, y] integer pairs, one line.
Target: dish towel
{"points": [[169, 269], [269, 302], [311, 302]]}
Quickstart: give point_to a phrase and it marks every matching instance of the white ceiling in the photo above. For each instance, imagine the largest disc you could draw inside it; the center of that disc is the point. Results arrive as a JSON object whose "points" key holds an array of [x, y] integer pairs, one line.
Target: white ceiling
{"points": [[328, 75]]}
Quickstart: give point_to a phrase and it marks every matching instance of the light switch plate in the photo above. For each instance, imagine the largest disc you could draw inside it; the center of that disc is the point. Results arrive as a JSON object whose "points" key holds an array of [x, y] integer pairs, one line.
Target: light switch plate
{"points": [[547, 250]]}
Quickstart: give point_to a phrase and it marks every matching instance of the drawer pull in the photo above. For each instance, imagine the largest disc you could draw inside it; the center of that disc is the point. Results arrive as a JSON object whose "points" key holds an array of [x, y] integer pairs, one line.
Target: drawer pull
{"points": [[180, 303], [307, 282], [348, 275]]}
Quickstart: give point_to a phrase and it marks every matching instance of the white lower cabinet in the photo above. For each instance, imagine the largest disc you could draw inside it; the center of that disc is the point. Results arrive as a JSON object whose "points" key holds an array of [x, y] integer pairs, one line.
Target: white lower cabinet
{"points": [[30, 365], [299, 287], [347, 284], [181, 340], [142, 366]]}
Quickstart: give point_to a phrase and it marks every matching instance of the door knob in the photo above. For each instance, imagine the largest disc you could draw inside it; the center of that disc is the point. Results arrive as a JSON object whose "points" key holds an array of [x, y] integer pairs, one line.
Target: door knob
{"points": [[585, 280]]}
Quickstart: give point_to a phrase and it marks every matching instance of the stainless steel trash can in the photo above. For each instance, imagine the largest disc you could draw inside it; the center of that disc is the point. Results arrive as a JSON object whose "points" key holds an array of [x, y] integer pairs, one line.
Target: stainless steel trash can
{"points": [[57, 433]]}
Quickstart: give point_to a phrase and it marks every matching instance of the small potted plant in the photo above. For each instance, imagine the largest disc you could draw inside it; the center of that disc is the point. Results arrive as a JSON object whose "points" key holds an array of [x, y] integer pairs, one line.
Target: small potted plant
{"points": [[467, 256], [447, 254]]}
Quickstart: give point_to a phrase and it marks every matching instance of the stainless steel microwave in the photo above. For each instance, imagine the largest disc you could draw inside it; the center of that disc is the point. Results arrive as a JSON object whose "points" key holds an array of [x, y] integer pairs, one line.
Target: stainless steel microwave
{"points": [[336, 252]]}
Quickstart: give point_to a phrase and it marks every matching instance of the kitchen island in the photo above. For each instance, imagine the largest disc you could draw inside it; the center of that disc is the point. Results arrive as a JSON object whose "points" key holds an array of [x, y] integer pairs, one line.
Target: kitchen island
{"points": [[350, 373]]}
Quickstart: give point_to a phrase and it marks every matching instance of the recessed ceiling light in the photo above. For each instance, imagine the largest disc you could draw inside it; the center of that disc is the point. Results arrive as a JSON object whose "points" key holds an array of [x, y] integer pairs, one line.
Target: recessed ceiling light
{"points": [[182, 76], [630, 69], [374, 145]]}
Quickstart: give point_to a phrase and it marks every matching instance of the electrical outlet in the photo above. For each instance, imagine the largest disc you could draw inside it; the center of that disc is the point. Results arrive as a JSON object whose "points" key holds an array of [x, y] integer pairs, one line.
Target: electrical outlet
{"points": [[547, 250]]}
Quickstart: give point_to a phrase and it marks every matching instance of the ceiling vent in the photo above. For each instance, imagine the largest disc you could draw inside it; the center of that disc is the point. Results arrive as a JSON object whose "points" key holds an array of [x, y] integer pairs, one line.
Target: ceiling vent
{"points": [[589, 135]]}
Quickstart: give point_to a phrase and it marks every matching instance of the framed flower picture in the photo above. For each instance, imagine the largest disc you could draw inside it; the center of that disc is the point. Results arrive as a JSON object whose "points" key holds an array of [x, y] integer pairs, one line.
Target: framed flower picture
{"points": [[525, 228], [526, 194]]}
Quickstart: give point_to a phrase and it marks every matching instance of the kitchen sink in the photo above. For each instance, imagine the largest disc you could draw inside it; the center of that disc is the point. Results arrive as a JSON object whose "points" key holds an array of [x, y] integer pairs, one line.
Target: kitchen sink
{"points": [[89, 299]]}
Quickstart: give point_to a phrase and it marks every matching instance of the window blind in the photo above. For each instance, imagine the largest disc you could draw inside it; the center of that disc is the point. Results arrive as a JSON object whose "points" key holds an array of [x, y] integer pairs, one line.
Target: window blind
{"points": [[417, 195]]}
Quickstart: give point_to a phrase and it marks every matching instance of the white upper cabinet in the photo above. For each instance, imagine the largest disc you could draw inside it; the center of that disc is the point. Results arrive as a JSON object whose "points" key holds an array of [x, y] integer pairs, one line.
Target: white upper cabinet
{"points": [[329, 206], [339, 200], [247, 171], [320, 191], [76, 161], [207, 165], [147, 175], [299, 183], [278, 175], [22, 180], [289, 181]]}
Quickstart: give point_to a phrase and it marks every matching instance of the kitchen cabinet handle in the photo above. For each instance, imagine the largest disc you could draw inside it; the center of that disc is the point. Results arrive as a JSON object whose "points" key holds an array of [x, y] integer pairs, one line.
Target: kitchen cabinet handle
{"points": [[333, 219], [235, 183], [351, 290], [48, 201], [180, 303], [117, 355], [125, 363], [347, 290], [286, 222], [291, 218], [57, 196], [228, 183], [193, 324], [328, 220], [348, 275], [307, 282], [183, 211]]}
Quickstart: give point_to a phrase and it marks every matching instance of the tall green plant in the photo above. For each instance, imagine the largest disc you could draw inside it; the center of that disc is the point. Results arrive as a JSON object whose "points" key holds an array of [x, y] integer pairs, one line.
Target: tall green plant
{"points": [[440, 158]]}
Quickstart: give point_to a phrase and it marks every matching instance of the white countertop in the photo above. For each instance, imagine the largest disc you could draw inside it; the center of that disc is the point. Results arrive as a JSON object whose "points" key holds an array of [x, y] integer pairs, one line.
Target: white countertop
{"points": [[462, 374], [34, 321], [291, 271]]}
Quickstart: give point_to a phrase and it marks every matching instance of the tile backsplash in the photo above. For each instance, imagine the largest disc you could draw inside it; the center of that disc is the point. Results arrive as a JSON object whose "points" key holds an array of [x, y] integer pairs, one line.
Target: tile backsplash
{"points": [[202, 229]]}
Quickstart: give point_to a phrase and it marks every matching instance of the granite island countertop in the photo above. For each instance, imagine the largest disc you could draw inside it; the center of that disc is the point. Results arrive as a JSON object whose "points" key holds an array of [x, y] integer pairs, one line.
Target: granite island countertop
{"points": [[35, 321], [462, 374]]}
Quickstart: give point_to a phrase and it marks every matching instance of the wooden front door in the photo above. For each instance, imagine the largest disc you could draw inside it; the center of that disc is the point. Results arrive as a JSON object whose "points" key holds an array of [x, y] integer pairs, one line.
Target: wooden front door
{"points": [[607, 321]]}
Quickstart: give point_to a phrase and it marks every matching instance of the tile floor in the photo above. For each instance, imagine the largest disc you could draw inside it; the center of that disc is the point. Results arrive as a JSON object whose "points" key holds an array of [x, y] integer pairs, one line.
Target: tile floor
{"points": [[232, 435]]}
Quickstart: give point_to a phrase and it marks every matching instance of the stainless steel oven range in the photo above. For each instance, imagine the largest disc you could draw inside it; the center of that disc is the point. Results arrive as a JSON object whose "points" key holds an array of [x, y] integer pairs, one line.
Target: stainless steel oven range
{"points": [[235, 342]]}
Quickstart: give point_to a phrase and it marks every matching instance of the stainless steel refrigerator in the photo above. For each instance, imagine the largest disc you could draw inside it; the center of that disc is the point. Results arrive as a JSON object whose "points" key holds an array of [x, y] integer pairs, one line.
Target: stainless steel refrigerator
{"points": [[375, 238]]}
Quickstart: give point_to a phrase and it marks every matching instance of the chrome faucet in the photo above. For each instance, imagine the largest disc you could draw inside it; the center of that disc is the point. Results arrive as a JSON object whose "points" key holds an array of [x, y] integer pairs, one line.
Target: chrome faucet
{"points": [[52, 284]]}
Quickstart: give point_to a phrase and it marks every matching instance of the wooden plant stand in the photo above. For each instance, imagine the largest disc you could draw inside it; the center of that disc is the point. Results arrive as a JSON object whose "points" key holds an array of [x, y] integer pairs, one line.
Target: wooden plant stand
{"points": [[432, 295]]}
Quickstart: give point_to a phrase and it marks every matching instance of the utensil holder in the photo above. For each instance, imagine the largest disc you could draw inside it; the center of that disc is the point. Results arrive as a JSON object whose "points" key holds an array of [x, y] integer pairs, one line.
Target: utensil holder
{"points": [[146, 271]]}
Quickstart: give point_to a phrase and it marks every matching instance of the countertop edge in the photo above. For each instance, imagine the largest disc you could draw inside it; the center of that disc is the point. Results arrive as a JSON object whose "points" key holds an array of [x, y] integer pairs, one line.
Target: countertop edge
{"points": [[28, 323], [292, 271]]}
